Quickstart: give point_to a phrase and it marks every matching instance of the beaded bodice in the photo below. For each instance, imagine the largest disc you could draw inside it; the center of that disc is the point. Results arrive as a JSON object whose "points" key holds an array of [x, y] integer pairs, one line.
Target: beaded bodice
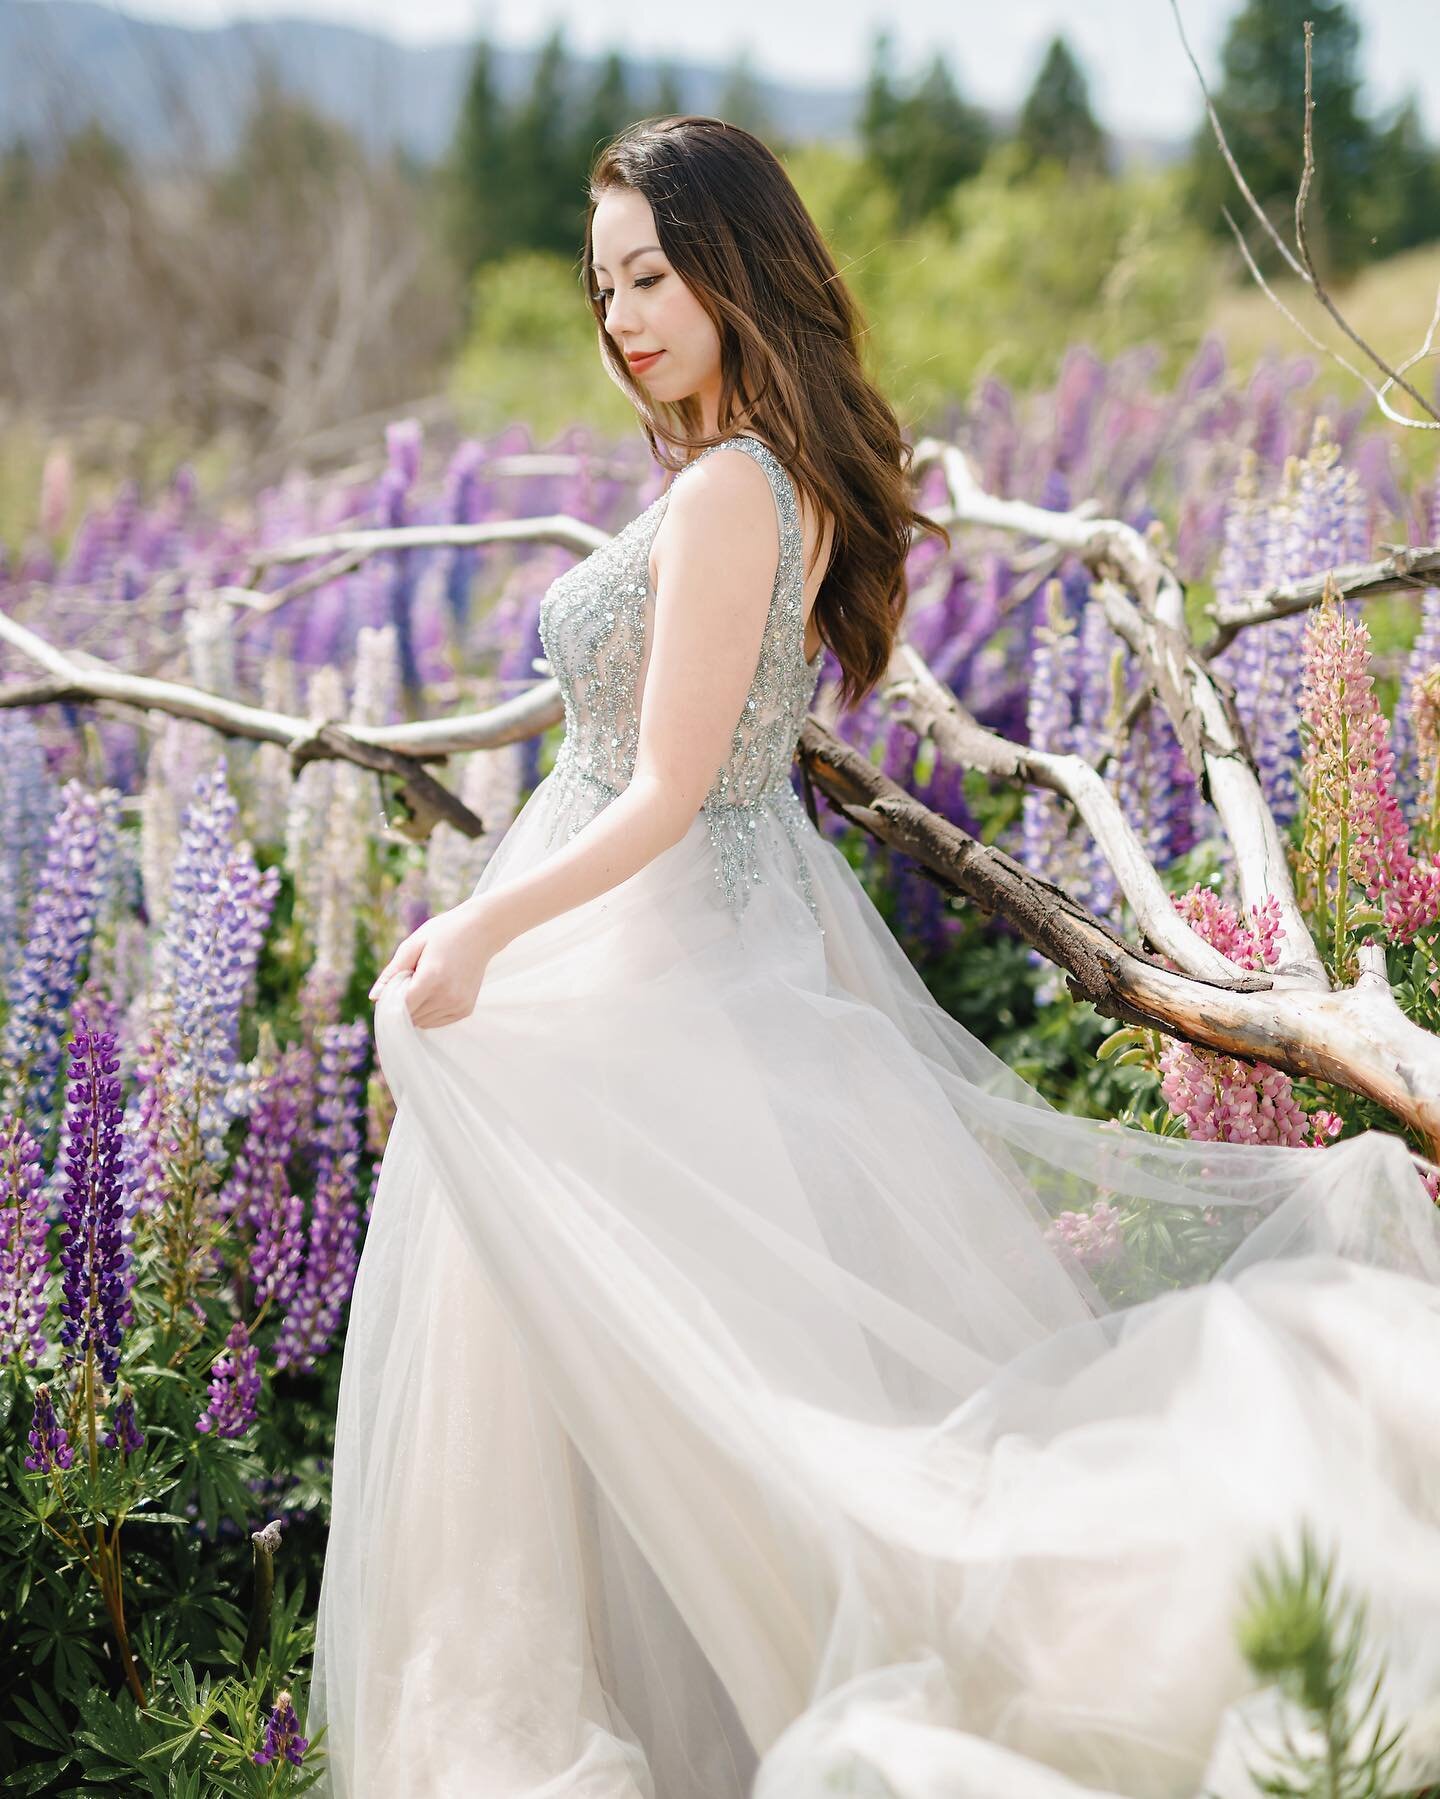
{"points": [[596, 624]]}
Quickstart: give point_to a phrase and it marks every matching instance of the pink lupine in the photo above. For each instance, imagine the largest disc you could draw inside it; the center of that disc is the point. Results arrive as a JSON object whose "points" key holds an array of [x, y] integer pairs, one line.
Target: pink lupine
{"points": [[1355, 829], [1094, 1237], [1220, 1098]]}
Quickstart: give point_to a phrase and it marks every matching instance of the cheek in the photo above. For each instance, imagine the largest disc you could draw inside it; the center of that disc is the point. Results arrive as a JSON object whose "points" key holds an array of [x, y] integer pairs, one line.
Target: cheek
{"points": [[686, 323]]}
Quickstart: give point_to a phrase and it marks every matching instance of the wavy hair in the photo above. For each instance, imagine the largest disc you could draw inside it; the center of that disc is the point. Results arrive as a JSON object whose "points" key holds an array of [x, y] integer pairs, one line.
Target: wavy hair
{"points": [[737, 233]]}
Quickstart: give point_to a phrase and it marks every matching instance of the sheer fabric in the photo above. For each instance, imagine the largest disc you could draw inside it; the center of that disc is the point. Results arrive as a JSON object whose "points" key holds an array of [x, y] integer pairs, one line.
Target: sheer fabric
{"points": [[718, 1418]]}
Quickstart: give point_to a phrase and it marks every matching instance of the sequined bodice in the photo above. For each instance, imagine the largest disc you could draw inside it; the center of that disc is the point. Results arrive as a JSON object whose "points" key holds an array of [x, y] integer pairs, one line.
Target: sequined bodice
{"points": [[596, 623]]}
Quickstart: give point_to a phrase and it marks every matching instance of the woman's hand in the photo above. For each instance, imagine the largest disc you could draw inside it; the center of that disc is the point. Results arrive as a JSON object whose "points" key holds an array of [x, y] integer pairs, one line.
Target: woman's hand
{"points": [[446, 959]]}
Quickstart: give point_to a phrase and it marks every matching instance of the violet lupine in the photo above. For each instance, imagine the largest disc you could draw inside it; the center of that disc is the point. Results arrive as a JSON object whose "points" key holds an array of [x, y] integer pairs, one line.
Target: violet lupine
{"points": [[1094, 1237], [125, 1433], [1220, 1098], [234, 1394], [94, 1250], [27, 804], [1423, 660], [79, 859], [332, 1250], [259, 1195], [283, 1741], [219, 909], [1308, 528], [1355, 829], [24, 1258], [50, 1450], [1046, 845]]}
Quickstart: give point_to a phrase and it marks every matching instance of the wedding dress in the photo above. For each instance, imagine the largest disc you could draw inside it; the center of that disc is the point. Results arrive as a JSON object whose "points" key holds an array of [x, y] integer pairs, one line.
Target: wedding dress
{"points": [[717, 1416]]}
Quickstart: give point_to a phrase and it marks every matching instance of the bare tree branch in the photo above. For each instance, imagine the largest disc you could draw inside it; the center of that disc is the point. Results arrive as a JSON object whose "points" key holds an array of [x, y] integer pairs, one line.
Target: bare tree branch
{"points": [[1403, 570], [1303, 266]]}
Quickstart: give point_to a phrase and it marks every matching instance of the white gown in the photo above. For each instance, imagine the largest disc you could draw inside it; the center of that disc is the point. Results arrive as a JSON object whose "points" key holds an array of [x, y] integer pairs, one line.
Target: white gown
{"points": [[716, 1417]]}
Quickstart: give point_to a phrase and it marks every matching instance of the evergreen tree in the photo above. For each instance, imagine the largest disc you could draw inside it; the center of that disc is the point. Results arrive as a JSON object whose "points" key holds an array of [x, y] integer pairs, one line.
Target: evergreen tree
{"points": [[741, 101], [924, 143], [1407, 207], [668, 100], [608, 110], [1261, 106], [547, 167], [476, 174], [1056, 122]]}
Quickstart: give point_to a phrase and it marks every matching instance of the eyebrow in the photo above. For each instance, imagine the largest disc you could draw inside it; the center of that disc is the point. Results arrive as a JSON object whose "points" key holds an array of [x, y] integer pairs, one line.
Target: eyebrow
{"points": [[598, 268]]}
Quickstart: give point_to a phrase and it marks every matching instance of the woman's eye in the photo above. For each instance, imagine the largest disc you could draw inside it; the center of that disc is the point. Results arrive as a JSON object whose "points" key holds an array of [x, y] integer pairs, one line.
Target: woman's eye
{"points": [[601, 295]]}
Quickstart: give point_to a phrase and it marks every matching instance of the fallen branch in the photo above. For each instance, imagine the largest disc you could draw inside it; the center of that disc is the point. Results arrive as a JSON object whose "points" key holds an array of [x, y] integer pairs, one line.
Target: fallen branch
{"points": [[1357, 1038], [1401, 571]]}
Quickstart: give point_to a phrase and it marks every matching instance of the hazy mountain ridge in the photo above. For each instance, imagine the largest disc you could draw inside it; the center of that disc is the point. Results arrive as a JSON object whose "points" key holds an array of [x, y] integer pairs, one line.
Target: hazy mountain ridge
{"points": [[62, 61]]}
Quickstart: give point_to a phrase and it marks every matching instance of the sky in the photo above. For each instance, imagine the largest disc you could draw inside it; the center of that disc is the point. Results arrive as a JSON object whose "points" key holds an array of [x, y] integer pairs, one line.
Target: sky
{"points": [[1139, 78]]}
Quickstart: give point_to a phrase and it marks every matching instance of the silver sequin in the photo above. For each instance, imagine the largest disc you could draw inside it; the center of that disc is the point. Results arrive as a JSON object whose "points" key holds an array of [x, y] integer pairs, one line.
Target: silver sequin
{"points": [[595, 622]]}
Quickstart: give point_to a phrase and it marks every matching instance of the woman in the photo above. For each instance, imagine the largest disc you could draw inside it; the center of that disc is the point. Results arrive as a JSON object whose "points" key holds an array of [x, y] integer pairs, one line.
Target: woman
{"points": [[716, 1415]]}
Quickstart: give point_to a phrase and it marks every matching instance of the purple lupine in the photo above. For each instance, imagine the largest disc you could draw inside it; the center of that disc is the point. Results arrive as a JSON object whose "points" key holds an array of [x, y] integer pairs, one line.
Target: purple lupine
{"points": [[1424, 655], [94, 1252], [1309, 527], [463, 503], [27, 803], [333, 1242], [24, 1262], [219, 909], [392, 504], [234, 1386], [259, 1196], [50, 1449], [283, 1741], [80, 853], [125, 1433], [1046, 844]]}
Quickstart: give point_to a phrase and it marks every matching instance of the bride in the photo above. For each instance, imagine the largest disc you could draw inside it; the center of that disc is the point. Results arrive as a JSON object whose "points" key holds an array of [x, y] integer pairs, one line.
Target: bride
{"points": [[717, 1415]]}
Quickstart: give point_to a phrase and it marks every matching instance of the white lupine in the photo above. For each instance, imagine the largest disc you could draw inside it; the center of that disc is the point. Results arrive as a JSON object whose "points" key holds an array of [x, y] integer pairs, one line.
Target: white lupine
{"points": [[490, 787], [312, 796], [271, 776]]}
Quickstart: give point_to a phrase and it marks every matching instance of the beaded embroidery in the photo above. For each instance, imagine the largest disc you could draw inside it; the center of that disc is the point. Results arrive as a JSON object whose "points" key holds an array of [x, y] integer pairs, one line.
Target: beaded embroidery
{"points": [[594, 625]]}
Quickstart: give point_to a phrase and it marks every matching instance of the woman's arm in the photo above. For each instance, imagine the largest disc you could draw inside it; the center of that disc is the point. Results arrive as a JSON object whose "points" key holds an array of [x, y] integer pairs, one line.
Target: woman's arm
{"points": [[716, 553]]}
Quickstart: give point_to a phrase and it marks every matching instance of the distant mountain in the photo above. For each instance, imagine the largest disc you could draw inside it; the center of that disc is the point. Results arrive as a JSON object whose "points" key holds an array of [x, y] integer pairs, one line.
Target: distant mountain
{"points": [[173, 90]]}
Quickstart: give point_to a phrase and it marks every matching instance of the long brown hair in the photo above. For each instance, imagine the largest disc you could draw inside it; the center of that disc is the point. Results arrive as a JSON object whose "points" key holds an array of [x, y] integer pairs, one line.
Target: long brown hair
{"points": [[737, 233]]}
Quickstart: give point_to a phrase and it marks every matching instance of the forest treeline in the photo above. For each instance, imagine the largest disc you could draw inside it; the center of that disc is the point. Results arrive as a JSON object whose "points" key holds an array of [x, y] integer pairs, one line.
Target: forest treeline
{"points": [[307, 281]]}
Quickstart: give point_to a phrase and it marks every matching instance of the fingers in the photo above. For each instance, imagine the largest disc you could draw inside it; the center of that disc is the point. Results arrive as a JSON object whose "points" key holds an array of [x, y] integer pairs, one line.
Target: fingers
{"points": [[402, 962]]}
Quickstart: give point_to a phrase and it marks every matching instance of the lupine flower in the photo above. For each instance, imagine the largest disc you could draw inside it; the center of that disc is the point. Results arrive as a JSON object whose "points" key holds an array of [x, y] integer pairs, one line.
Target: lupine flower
{"points": [[1221, 1098], [283, 1741], [234, 1386], [80, 853], [1349, 776], [1045, 821], [259, 1195], [490, 787], [94, 1253], [333, 1243], [27, 804], [125, 1433], [220, 906], [1423, 659], [49, 1444], [24, 1263], [1309, 527], [1094, 1237]]}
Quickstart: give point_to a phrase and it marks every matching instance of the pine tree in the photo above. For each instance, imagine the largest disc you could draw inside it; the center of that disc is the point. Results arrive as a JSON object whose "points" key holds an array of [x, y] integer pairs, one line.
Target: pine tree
{"points": [[476, 178], [1407, 207], [668, 100], [741, 101], [1261, 106], [547, 166], [1056, 122], [924, 143], [608, 110]]}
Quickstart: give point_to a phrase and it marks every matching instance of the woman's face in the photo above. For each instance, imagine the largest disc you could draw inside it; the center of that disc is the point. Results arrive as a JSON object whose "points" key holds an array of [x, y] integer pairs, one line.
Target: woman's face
{"points": [[648, 308]]}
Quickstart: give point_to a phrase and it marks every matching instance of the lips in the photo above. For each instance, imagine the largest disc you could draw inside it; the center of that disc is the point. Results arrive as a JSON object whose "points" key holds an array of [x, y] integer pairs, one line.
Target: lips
{"points": [[638, 364]]}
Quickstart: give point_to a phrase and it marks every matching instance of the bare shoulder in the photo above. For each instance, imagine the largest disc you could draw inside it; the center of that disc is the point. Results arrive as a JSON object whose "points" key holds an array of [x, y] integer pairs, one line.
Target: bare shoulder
{"points": [[722, 506]]}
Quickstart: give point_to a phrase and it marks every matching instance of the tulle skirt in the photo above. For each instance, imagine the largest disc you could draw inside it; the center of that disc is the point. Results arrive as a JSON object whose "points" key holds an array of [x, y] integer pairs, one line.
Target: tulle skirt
{"points": [[721, 1416]]}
